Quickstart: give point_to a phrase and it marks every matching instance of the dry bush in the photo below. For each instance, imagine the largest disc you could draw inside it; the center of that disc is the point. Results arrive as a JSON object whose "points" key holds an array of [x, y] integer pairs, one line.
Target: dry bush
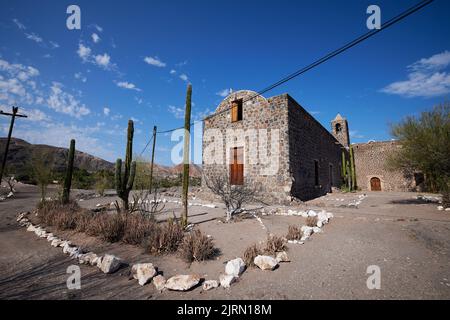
{"points": [[311, 221], [62, 216], [110, 228], [137, 228], [274, 244], [164, 239], [197, 247], [294, 233], [250, 254]]}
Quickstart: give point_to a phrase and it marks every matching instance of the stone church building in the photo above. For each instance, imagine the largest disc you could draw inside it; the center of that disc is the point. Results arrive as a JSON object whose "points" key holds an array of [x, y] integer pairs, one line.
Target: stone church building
{"points": [[274, 144]]}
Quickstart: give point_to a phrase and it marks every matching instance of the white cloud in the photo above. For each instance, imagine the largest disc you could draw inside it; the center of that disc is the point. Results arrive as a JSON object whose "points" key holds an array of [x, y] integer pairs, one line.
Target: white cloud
{"points": [[95, 38], [99, 29], [79, 76], [54, 44], [83, 52], [103, 60], [184, 77], [154, 62], [225, 92], [127, 85], [177, 112], [34, 37], [173, 71], [435, 62], [35, 115], [19, 24], [354, 134], [106, 111], [426, 78], [63, 102]]}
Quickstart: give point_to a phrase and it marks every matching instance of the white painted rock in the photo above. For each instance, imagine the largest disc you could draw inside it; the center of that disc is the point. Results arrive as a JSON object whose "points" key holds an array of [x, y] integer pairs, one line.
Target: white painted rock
{"points": [[295, 242], [226, 280], [282, 257], [160, 282], [87, 258], [312, 213], [306, 232], [97, 261], [31, 228], [210, 284], [440, 208], [265, 262], [64, 243], [235, 267], [143, 272], [182, 282], [447, 209], [317, 230], [56, 242], [110, 263]]}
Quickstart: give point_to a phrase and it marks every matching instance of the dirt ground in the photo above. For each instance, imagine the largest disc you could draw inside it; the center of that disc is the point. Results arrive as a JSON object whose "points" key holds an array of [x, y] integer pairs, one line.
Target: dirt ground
{"points": [[409, 241]]}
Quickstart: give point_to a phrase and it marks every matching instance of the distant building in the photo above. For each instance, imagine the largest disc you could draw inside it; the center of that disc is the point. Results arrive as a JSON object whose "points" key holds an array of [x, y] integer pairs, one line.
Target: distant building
{"points": [[276, 145]]}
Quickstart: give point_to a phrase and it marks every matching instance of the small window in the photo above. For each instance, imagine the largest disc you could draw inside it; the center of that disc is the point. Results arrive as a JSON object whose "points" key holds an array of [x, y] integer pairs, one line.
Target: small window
{"points": [[236, 110], [316, 172], [338, 127]]}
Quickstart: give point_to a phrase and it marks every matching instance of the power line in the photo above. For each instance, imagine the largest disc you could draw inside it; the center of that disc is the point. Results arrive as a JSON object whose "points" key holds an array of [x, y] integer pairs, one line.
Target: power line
{"points": [[325, 58], [146, 146]]}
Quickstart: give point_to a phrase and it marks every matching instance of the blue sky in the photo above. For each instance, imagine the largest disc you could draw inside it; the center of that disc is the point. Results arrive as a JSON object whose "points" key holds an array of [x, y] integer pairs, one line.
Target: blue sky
{"points": [[134, 59]]}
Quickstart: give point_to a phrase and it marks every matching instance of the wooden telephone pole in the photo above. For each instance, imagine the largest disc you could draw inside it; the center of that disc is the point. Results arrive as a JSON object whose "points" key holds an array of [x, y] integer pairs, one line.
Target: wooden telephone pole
{"points": [[13, 116], [187, 130], [153, 159]]}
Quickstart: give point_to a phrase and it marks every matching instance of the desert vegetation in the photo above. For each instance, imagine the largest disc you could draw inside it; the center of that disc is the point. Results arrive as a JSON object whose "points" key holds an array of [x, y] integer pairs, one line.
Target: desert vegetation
{"points": [[135, 229], [425, 148]]}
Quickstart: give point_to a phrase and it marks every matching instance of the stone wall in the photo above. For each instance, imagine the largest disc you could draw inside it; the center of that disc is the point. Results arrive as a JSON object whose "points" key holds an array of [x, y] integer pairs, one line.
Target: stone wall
{"points": [[264, 168], [309, 141], [370, 162]]}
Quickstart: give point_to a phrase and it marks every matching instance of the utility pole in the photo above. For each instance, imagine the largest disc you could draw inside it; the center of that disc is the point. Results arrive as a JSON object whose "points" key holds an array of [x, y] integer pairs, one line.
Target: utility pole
{"points": [[153, 159], [13, 116], [187, 137]]}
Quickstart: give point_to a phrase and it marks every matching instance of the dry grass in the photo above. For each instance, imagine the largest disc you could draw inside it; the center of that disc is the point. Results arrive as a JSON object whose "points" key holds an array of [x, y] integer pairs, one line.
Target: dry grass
{"points": [[128, 228], [250, 254], [197, 247], [274, 244], [294, 233], [311, 221]]}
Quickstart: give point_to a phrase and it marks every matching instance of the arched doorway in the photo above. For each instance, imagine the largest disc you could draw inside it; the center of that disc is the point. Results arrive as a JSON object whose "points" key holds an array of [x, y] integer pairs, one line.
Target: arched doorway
{"points": [[375, 184]]}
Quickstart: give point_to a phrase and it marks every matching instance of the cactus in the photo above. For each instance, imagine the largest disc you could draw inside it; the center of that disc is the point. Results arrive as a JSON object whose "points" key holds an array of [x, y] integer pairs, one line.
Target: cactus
{"points": [[349, 178], [187, 129], [69, 172], [352, 169], [124, 183], [343, 173]]}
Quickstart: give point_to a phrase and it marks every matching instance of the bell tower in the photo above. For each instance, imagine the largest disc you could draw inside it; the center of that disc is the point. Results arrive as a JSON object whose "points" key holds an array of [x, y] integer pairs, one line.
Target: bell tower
{"points": [[339, 128]]}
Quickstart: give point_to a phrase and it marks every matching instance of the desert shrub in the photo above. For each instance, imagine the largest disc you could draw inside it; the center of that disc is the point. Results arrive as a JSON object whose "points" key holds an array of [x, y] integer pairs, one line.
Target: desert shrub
{"points": [[197, 247], [274, 244], [294, 233], [311, 221], [250, 254], [62, 216], [137, 229], [108, 227], [165, 238]]}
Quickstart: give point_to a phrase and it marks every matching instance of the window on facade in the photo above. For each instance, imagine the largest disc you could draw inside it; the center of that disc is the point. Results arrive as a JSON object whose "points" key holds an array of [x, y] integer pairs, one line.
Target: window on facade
{"points": [[338, 127], [316, 172], [236, 110], [237, 166]]}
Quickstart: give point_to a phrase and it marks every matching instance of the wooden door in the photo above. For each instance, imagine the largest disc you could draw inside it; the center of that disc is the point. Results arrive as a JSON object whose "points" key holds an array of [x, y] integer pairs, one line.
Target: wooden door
{"points": [[237, 166], [375, 184]]}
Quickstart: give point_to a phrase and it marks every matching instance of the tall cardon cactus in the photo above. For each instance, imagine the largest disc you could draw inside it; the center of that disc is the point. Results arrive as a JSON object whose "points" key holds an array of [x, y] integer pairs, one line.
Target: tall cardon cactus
{"points": [[124, 181], [69, 171]]}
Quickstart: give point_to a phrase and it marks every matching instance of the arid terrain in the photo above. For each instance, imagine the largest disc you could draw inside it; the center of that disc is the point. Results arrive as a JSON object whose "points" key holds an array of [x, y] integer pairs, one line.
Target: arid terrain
{"points": [[407, 238]]}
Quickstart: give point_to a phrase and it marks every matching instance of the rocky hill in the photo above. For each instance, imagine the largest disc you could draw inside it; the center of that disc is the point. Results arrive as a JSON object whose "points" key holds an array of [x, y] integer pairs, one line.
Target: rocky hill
{"points": [[21, 153]]}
